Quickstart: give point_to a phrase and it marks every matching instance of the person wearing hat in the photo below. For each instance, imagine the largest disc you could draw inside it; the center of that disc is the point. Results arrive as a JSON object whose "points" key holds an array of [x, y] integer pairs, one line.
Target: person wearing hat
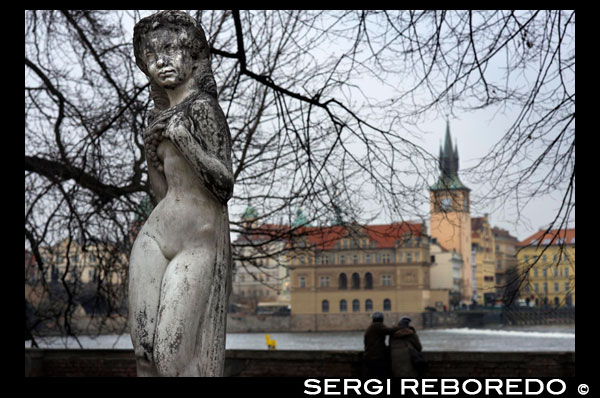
{"points": [[405, 350], [376, 356]]}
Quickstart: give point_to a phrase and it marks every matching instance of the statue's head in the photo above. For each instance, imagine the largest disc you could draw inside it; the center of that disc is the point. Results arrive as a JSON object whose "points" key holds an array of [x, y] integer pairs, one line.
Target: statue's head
{"points": [[170, 48]]}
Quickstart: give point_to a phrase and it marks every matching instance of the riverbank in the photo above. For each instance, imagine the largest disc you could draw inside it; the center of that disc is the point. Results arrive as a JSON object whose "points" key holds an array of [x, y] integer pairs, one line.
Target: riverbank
{"points": [[517, 339]]}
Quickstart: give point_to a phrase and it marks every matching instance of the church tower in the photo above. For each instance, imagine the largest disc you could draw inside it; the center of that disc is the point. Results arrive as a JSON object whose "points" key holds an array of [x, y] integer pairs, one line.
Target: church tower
{"points": [[450, 215]]}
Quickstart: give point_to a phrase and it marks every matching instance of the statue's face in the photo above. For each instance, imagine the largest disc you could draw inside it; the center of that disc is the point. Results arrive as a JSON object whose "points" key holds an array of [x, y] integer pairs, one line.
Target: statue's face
{"points": [[168, 63]]}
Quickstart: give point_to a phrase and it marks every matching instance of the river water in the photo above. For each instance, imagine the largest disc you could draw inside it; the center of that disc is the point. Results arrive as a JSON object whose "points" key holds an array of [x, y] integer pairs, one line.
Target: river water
{"points": [[528, 338]]}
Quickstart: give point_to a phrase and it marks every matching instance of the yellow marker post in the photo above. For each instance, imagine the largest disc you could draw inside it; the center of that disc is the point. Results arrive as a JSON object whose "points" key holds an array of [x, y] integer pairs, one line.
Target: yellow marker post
{"points": [[272, 344]]}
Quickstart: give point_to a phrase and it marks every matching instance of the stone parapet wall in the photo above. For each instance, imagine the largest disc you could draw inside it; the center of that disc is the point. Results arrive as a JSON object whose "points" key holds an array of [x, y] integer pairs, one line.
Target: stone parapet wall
{"points": [[248, 323], [345, 322], [262, 363]]}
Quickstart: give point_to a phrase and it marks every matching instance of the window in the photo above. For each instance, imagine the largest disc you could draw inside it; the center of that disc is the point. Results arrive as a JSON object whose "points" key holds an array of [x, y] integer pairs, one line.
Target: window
{"points": [[535, 272], [554, 258], [544, 258], [325, 306], [409, 257], [343, 281], [355, 259], [343, 306], [399, 257], [535, 287], [555, 271], [385, 258], [355, 281], [386, 280], [566, 271], [556, 287], [302, 281], [368, 281], [301, 259], [417, 256], [367, 258], [499, 265], [387, 305], [324, 281], [342, 260], [545, 287], [355, 305], [526, 259], [566, 286], [368, 305], [545, 272]]}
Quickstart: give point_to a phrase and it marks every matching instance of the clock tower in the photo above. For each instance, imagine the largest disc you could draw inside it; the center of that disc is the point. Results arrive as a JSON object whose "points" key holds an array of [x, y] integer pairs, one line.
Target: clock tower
{"points": [[450, 215]]}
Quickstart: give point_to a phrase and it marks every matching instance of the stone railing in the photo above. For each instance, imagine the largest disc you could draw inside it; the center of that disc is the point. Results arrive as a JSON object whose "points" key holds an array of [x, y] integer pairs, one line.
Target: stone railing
{"points": [[121, 363]]}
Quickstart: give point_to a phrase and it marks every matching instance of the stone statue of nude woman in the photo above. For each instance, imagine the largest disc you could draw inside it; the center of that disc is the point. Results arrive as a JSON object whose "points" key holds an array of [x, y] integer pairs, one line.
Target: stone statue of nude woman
{"points": [[180, 264]]}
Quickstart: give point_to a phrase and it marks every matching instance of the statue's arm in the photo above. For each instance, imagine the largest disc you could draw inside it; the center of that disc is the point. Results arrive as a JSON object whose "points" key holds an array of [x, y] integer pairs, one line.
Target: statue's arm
{"points": [[213, 165]]}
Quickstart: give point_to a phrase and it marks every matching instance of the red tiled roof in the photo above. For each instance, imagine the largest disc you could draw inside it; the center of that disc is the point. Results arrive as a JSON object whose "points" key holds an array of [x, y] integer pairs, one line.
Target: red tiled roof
{"points": [[386, 235], [325, 238], [554, 237]]}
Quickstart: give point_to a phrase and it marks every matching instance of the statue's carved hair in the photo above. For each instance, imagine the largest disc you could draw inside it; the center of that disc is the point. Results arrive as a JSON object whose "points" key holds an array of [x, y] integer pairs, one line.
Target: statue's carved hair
{"points": [[194, 41]]}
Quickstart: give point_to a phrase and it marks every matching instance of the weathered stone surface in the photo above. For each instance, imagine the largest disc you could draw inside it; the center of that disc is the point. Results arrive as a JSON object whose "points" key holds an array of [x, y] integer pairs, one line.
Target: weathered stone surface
{"points": [[180, 264]]}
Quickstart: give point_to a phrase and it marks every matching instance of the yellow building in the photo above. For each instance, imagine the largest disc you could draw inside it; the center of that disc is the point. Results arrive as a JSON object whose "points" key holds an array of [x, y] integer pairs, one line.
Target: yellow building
{"points": [[506, 262], [70, 259], [450, 217], [341, 275], [549, 261], [484, 255]]}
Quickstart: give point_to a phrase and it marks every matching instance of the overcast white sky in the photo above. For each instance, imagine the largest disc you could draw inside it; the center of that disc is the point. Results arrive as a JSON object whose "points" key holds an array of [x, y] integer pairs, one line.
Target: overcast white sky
{"points": [[476, 133]]}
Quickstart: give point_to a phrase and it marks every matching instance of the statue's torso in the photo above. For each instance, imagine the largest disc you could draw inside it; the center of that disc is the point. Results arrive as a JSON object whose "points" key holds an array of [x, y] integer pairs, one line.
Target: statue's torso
{"points": [[186, 216]]}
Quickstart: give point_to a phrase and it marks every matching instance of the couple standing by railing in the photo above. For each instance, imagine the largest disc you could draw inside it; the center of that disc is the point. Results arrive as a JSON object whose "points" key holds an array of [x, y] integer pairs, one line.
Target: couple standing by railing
{"points": [[402, 358]]}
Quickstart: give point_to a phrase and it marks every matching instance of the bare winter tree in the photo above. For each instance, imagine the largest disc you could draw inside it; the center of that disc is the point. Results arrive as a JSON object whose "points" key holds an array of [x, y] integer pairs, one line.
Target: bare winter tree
{"points": [[324, 109]]}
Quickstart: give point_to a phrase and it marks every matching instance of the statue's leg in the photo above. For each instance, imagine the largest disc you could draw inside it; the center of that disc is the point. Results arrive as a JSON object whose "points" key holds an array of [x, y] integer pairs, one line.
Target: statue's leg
{"points": [[146, 267], [185, 294]]}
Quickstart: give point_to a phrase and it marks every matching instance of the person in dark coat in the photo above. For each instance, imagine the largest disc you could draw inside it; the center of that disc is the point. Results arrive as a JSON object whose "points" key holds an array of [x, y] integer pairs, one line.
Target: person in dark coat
{"points": [[376, 356], [401, 342]]}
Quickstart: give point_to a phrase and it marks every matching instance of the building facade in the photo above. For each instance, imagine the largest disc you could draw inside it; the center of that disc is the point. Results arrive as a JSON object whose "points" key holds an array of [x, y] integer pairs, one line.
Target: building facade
{"points": [[548, 260], [484, 247], [506, 262], [260, 273], [446, 272], [340, 275], [84, 264]]}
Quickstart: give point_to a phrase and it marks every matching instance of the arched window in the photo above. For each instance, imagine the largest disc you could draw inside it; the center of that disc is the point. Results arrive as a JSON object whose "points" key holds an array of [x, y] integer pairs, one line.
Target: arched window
{"points": [[368, 305], [355, 305], [355, 281], [387, 305], [343, 306], [325, 306], [368, 281], [556, 302], [343, 281]]}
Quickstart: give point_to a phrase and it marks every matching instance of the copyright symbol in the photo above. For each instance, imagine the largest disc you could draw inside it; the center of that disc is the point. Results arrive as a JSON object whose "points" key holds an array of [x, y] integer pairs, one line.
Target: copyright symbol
{"points": [[583, 389]]}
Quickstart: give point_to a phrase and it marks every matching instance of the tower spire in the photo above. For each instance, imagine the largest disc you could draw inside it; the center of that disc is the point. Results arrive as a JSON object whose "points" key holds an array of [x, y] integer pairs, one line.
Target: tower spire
{"points": [[448, 164]]}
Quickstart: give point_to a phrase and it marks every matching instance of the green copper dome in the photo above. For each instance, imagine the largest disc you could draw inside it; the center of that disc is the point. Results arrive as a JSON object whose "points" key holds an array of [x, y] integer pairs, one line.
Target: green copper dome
{"points": [[300, 220]]}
